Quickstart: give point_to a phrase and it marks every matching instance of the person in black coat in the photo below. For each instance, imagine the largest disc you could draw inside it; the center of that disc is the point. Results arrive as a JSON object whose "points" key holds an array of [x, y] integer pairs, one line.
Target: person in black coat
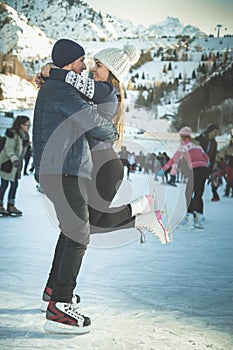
{"points": [[27, 158], [209, 144]]}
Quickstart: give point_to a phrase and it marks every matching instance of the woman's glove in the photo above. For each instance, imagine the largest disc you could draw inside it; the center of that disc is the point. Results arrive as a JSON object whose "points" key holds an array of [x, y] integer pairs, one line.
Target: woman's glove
{"points": [[160, 172]]}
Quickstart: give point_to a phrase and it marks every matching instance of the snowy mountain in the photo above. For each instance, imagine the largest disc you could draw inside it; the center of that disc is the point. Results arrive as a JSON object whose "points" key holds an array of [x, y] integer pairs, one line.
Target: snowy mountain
{"points": [[77, 19], [19, 37], [74, 19], [172, 27], [29, 30]]}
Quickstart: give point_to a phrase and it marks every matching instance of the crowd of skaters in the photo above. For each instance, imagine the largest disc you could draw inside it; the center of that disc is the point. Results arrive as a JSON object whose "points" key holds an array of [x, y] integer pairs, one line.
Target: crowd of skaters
{"points": [[220, 174], [195, 162], [221, 170], [151, 163]]}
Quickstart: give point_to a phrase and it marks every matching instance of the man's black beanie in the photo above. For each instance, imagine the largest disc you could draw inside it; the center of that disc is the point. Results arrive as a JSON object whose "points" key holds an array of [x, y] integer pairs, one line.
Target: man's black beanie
{"points": [[66, 51]]}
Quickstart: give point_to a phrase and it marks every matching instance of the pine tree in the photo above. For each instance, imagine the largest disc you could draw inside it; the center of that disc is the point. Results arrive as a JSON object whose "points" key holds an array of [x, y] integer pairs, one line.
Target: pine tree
{"points": [[204, 68], [176, 83], [1, 93], [199, 68], [140, 100], [214, 66], [130, 84], [165, 68]]}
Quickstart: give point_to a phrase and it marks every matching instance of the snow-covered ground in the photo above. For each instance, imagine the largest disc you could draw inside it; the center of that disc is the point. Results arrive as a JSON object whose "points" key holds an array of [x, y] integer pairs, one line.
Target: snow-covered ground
{"points": [[139, 296]]}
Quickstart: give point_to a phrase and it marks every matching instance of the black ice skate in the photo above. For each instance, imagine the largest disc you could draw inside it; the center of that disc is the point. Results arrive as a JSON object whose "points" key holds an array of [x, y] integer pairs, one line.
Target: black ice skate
{"points": [[3, 212], [13, 211], [64, 318]]}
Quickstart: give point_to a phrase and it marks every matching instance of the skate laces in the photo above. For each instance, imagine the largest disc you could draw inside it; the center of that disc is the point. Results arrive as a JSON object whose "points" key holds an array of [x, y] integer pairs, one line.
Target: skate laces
{"points": [[154, 219], [75, 306], [71, 310], [158, 216], [148, 227]]}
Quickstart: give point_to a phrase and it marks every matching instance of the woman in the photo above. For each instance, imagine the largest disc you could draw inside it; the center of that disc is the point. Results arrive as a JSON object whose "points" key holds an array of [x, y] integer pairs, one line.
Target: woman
{"points": [[11, 159], [197, 161]]}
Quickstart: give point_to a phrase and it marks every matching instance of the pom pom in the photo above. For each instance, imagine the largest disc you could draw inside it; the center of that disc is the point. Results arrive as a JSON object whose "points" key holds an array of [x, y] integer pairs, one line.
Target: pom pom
{"points": [[132, 52]]}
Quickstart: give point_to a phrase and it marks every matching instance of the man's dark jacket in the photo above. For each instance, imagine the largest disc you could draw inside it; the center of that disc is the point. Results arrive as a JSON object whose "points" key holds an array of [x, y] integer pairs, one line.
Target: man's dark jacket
{"points": [[210, 148], [62, 119]]}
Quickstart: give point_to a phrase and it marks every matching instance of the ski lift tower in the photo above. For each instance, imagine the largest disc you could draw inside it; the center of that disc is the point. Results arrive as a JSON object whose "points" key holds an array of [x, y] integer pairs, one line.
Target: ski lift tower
{"points": [[218, 29]]}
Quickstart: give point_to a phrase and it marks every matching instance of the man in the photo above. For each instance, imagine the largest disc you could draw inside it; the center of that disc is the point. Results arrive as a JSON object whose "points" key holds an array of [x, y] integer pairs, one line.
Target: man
{"points": [[63, 167], [209, 144]]}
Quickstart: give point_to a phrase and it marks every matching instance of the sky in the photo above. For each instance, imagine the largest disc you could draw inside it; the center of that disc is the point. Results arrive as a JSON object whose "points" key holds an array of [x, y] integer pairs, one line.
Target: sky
{"points": [[203, 14]]}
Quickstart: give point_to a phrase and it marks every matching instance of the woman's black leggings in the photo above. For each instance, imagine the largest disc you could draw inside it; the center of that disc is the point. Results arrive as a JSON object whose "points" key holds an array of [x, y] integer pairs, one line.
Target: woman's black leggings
{"points": [[106, 178], [195, 189]]}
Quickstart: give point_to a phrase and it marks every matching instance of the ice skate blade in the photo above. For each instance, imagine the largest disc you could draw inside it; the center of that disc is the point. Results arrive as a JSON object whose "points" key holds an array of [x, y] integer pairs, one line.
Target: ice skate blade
{"points": [[61, 328], [13, 215], [191, 228], [198, 227]]}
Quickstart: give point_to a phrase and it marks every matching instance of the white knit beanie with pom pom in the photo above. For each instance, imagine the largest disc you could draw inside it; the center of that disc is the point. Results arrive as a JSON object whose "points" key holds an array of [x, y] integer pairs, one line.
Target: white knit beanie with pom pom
{"points": [[118, 61]]}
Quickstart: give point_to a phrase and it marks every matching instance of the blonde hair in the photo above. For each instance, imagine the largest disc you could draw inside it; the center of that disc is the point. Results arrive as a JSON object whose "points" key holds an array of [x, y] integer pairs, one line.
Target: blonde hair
{"points": [[118, 119]]}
